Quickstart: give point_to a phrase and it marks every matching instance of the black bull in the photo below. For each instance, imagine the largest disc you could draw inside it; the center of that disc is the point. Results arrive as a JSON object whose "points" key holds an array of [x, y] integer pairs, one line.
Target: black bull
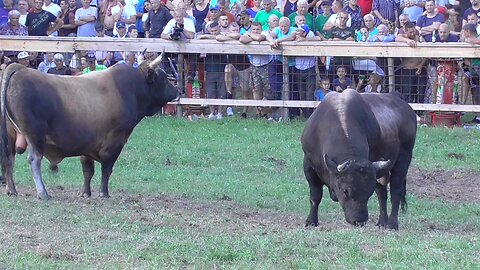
{"points": [[349, 142], [90, 116]]}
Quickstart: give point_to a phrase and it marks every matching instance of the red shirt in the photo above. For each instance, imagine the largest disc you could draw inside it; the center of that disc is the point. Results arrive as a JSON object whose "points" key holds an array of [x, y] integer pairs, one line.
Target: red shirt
{"points": [[366, 6]]}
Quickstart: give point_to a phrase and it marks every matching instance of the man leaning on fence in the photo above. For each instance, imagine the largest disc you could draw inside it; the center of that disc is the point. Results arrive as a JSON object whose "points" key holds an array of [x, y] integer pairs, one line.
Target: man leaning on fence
{"points": [[473, 65], [259, 67], [411, 74]]}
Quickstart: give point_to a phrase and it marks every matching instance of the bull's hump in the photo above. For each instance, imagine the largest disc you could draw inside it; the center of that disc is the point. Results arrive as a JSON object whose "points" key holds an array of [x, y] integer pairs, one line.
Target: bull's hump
{"points": [[341, 104]]}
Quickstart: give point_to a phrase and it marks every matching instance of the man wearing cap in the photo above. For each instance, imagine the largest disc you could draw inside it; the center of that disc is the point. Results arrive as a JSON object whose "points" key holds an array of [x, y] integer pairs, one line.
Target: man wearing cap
{"points": [[157, 19], [85, 19], [373, 85], [39, 20], [322, 18], [121, 30], [124, 12], [24, 59], [60, 68], [92, 64]]}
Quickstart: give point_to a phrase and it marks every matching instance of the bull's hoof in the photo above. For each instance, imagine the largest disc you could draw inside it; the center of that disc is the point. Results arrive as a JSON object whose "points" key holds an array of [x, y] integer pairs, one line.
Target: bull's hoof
{"points": [[392, 225], [12, 193], [54, 168], [311, 223], [43, 196], [381, 224], [104, 195], [85, 194]]}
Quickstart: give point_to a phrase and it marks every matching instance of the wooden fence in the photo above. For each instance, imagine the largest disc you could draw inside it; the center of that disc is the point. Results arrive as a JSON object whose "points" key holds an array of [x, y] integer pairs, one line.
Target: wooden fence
{"points": [[305, 48]]}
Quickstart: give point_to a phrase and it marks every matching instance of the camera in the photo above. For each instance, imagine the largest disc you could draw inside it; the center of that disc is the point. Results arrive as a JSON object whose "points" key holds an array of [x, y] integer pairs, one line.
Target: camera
{"points": [[177, 30]]}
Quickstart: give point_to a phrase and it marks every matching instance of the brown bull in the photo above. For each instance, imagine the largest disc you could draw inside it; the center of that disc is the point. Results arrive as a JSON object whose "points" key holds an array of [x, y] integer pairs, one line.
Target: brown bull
{"points": [[90, 116]]}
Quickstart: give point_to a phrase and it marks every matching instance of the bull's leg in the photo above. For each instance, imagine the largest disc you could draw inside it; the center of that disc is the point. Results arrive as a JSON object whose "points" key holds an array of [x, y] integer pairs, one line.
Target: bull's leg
{"points": [[35, 161], [107, 166], [398, 181], [8, 162], [88, 169], [316, 192], [381, 191], [106, 172]]}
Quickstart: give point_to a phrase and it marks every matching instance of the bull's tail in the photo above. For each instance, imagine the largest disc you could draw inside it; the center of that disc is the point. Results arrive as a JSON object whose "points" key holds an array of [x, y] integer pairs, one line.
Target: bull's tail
{"points": [[4, 145], [403, 199]]}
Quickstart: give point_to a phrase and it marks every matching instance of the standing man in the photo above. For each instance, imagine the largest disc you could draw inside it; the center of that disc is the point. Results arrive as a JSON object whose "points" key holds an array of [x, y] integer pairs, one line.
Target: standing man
{"points": [[428, 23], [39, 20], [411, 74], [475, 8], [85, 18], [263, 15], [157, 19], [53, 8]]}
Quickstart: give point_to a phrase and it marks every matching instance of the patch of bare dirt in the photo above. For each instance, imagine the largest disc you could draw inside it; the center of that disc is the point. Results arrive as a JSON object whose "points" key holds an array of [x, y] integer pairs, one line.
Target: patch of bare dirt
{"points": [[446, 185]]}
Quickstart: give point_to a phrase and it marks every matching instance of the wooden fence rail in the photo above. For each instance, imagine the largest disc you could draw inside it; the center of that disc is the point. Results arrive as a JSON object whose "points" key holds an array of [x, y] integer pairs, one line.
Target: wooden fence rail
{"points": [[307, 48]]}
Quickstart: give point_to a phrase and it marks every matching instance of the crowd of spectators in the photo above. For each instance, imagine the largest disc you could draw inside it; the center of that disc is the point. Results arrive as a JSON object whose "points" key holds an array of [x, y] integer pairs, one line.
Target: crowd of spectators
{"points": [[273, 21]]}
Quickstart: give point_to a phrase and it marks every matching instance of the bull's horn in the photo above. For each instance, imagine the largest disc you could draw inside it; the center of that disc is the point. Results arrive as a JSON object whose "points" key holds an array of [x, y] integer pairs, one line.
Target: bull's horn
{"points": [[141, 57], [157, 60], [341, 167], [380, 165]]}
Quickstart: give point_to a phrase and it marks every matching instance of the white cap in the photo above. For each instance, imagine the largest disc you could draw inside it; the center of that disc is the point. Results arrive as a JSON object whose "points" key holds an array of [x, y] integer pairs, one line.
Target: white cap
{"points": [[23, 55], [58, 56]]}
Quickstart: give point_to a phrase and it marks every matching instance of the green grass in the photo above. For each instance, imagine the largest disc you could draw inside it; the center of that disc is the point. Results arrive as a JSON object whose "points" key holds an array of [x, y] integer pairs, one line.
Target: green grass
{"points": [[230, 195]]}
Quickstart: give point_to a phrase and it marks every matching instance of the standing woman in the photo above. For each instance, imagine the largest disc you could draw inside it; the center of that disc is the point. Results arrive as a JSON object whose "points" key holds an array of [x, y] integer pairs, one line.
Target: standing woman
{"points": [[147, 6], [289, 6], [189, 5], [200, 11], [386, 12], [257, 6]]}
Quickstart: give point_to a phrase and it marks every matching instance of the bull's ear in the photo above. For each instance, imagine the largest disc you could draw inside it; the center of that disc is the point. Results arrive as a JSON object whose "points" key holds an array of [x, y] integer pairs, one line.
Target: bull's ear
{"points": [[331, 165], [151, 75], [380, 165]]}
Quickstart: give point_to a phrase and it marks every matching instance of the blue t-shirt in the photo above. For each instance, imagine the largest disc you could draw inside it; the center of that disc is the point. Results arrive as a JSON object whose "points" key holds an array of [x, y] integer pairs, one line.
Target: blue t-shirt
{"points": [[320, 94], [344, 85]]}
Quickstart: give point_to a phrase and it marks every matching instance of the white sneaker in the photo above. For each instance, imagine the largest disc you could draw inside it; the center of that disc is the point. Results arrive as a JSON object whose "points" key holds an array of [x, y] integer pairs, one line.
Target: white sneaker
{"points": [[211, 116], [229, 111], [219, 116]]}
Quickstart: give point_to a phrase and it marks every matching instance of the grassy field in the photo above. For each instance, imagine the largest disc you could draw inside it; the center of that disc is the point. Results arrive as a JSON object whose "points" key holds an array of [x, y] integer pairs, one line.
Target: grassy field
{"points": [[231, 194]]}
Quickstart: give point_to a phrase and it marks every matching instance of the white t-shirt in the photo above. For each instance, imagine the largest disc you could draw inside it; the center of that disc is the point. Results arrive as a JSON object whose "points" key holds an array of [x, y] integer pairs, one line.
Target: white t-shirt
{"points": [[334, 20], [53, 8], [128, 11], [88, 29], [369, 89], [187, 25]]}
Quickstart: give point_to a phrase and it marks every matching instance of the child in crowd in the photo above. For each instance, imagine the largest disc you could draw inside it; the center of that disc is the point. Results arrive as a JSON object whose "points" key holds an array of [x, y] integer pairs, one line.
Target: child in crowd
{"points": [[342, 82], [322, 18], [325, 88], [373, 84], [132, 31]]}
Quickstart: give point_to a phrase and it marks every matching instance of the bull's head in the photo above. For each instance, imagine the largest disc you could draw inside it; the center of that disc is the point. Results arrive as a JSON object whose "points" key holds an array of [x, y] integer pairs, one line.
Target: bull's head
{"points": [[353, 183], [161, 89]]}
